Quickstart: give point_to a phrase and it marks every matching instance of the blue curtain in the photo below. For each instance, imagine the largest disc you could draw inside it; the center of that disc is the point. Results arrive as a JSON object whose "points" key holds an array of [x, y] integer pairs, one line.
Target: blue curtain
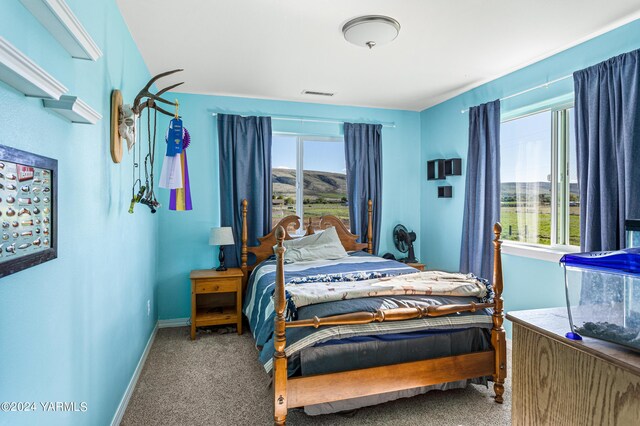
{"points": [[607, 128], [245, 172], [363, 155], [482, 195]]}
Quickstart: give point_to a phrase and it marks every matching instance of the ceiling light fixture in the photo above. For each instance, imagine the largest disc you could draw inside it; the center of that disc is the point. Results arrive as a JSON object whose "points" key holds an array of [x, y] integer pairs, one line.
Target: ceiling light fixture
{"points": [[371, 30]]}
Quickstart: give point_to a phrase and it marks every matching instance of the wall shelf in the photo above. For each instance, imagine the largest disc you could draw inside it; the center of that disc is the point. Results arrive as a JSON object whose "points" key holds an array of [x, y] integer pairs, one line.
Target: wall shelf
{"points": [[20, 72], [73, 109], [59, 20], [453, 167], [445, 191], [439, 169], [435, 169]]}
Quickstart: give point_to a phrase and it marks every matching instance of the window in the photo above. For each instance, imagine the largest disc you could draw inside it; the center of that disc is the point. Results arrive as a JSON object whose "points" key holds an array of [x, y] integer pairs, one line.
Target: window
{"points": [[540, 202], [309, 178]]}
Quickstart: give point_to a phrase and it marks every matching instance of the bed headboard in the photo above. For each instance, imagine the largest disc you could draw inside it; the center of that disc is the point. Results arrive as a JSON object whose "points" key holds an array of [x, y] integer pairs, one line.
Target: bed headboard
{"points": [[265, 247]]}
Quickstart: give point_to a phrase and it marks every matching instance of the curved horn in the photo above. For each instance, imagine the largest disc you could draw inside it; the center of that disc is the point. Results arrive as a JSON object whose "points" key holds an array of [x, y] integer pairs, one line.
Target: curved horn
{"points": [[159, 76], [166, 89], [145, 92]]}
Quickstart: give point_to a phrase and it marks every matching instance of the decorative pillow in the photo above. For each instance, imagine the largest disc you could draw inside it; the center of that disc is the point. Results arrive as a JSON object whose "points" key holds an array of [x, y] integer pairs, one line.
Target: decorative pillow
{"points": [[325, 245]]}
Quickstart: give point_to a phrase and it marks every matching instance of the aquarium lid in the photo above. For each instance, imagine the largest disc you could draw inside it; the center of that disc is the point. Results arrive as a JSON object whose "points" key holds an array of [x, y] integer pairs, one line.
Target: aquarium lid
{"points": [[625, 261]]}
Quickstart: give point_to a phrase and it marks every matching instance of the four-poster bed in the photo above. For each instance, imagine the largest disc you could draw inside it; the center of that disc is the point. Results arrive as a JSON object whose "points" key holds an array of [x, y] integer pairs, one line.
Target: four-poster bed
{"points": [[308, 390]]}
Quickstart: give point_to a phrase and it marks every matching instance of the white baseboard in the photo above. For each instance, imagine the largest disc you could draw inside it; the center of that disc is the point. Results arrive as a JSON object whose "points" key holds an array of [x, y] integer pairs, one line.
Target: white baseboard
{"points": [[124, 402], [122, 407], [176, 322]]}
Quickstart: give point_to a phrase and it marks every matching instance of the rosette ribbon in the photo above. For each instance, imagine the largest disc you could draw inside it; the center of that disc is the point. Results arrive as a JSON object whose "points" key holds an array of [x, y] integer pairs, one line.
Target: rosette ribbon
{"points": [[180, 198]]}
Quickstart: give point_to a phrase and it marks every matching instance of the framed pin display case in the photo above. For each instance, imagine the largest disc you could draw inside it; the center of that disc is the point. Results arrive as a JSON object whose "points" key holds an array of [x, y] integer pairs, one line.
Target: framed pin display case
{"points": [[28, 210]]}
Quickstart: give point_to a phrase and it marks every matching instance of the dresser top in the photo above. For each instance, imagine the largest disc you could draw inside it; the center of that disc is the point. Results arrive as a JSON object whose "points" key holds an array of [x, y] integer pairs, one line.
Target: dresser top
{"points": [[554, 323]]}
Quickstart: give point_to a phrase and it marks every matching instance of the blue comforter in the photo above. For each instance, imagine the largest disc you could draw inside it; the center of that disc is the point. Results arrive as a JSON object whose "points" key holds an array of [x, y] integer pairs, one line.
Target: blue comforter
{"points": [[259, 309]]}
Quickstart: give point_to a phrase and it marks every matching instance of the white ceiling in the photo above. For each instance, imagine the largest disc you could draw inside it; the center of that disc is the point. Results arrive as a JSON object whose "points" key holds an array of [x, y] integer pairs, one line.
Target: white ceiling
{"points": [[275, 49]]}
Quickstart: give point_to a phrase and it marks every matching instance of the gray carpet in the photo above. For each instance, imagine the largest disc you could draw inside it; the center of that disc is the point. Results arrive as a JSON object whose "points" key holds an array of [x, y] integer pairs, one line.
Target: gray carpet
{"points": [[217, 380]]}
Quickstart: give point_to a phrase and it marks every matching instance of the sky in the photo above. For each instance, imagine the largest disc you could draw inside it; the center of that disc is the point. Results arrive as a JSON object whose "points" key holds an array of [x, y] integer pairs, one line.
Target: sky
{"points": [[317, 154], [525, 149]]}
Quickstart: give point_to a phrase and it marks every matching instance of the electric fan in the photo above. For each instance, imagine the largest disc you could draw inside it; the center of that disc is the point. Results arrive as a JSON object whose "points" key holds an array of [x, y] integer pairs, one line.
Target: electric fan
{"points": [[403, 240]]}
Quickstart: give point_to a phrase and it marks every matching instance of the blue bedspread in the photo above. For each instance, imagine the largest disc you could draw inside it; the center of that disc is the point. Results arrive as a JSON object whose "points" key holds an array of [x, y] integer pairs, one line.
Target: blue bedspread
{"points": [[258, 304], [259, 309]]}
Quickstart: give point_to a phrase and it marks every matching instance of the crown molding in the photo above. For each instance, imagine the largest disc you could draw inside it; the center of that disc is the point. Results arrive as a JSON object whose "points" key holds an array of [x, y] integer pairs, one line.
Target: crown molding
{"points": [[64, 26], [20, 72]]}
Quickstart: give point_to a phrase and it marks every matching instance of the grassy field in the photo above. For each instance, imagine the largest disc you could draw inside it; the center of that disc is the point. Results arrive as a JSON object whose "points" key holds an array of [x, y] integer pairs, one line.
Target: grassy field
{"points": [[536, 222], [313, 211], [324, 194]]}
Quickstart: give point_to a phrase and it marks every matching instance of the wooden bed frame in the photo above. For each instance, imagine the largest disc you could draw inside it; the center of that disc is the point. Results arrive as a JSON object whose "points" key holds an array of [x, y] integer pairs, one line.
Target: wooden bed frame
{"points": [[265, 247], [308, 390]]}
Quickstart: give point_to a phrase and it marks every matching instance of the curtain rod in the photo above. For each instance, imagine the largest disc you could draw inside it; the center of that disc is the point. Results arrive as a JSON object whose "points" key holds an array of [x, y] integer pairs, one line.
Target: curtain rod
{"points": [[547, 84], [307, 119]]}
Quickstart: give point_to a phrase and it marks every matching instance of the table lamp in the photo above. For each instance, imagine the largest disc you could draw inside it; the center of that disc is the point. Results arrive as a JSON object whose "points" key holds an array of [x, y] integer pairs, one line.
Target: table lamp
{"points": [[222, 236]]}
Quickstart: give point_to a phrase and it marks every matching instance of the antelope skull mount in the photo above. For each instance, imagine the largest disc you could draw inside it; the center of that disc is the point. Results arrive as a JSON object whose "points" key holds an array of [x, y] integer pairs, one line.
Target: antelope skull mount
{"points": [[123, 116]]}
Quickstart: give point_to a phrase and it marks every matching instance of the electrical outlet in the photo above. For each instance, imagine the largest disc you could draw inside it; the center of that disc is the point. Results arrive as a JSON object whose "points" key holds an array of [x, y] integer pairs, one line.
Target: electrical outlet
{"points": [[148, 307]]}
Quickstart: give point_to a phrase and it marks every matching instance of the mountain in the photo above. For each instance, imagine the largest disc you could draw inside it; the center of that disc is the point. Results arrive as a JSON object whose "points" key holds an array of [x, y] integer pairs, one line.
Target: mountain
{"points": [[509, 189], [316, 183], [334, 185]]}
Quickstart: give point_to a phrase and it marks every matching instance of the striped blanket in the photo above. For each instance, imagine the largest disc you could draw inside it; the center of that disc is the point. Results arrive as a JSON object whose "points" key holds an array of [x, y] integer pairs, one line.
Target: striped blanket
{"points": [[308, 286]]}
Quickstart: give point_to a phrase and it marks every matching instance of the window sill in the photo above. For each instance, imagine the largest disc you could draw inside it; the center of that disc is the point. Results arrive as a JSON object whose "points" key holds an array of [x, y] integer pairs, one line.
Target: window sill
{"points": [[550, 254]]}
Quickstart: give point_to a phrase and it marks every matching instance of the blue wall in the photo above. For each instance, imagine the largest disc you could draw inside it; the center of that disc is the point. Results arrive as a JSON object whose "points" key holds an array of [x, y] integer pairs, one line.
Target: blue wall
{"points": [[529, 283], [73, 329], [183, 239]]}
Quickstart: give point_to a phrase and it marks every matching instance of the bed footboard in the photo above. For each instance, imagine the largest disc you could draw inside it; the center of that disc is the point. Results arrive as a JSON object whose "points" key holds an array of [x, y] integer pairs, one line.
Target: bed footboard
{"points": [[498, 336], [300, 391]]}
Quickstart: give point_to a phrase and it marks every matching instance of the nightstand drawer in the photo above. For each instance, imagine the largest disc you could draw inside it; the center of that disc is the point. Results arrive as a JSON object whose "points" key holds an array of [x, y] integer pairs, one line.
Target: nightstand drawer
{"points": [[217, 285]]}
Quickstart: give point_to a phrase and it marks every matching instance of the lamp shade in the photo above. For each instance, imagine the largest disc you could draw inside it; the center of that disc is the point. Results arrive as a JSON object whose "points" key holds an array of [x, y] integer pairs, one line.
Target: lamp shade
{"points": [[221, 236]]}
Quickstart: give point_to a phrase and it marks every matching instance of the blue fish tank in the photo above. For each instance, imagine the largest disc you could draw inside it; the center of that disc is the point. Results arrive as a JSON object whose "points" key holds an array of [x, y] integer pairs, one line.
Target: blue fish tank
{"points": [[603, 295]]}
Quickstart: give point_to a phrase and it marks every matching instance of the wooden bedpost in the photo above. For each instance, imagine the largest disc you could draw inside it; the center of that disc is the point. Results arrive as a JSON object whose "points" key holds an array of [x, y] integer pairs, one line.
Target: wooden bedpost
{"points": [[280, 341], [498, 338], [243, 253], [370, 229]]}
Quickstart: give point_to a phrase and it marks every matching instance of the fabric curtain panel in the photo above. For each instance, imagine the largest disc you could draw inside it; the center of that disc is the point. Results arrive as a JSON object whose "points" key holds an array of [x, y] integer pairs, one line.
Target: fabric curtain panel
{"points": [[363, 155], [482, 195], [245, 173], [607, 129]]}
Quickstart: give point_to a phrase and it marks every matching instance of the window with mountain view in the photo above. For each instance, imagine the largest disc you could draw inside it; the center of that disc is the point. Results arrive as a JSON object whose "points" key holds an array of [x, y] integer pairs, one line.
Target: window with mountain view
{"points": [[309, 178], [539, 190]]}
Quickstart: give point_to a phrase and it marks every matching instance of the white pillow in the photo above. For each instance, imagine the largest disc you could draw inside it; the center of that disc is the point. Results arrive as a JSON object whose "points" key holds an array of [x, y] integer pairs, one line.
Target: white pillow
{"points": [[325, 245]]}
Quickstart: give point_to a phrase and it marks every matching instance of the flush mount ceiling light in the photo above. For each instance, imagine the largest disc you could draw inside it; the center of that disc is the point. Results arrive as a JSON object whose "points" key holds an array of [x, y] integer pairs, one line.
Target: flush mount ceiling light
{"points": [[371, 30]]}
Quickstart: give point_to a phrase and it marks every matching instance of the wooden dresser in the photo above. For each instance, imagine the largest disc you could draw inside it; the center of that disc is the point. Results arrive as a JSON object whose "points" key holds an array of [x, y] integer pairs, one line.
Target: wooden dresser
{"points": [[557, 381], [210, 304]]}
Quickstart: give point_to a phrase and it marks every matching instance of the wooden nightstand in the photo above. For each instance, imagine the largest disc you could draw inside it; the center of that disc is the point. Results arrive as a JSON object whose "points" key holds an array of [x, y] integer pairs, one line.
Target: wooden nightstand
{"points": [[205, 308], [419, 266]]}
